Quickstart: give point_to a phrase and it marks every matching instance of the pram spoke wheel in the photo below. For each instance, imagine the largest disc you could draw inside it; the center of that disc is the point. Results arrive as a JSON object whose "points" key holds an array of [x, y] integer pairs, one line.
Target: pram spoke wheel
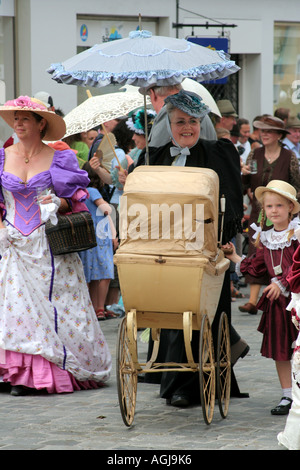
{"points": [[223, 365], [207, 373], [126, 376]]}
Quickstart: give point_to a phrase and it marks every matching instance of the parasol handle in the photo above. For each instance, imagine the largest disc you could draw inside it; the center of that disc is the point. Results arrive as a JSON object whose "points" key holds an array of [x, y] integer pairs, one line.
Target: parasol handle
{"points": [[146, 131], [105, 133], [112, 147]]}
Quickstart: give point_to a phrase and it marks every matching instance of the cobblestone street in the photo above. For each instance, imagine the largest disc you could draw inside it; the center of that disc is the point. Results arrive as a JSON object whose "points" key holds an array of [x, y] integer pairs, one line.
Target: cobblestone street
{"points": [[91, 420]]}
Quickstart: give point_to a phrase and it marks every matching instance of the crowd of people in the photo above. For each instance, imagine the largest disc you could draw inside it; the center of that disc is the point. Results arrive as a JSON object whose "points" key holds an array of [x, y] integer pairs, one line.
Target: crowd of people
{"points": [[269, 159], [50, 335]]}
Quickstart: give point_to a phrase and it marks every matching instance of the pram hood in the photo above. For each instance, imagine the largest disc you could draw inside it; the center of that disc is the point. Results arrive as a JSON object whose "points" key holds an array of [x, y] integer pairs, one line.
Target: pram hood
{"points": [[170, 211]]}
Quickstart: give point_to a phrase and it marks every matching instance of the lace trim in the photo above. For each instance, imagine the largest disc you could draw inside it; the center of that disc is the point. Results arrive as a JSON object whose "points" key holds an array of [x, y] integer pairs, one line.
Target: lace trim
{"points": [[238, 267], [283, 290], [142, 78], [276, 240]]}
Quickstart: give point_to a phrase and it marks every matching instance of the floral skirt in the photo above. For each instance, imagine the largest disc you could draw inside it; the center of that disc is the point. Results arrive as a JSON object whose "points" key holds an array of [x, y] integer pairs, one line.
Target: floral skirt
{"points": [[48, 327]]}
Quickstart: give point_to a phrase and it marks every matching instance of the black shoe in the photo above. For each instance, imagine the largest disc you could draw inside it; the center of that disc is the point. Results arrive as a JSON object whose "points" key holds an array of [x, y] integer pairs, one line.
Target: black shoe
{"points": [[239, 350], [282, 409], [18, 391], [179, 400]]}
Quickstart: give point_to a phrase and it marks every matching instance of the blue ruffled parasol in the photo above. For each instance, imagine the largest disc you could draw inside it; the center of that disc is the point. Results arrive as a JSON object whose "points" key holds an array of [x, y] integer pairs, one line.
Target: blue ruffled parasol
{"points": [[142, 60]]}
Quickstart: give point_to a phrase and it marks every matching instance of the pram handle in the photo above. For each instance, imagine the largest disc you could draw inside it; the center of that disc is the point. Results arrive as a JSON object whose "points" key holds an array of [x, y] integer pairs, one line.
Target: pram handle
{"points": [[222, 207]]}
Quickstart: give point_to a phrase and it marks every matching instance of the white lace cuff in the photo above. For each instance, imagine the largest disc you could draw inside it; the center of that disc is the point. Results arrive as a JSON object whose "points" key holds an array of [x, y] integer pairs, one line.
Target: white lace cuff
{"points": [[284, 292], [238, 267]]}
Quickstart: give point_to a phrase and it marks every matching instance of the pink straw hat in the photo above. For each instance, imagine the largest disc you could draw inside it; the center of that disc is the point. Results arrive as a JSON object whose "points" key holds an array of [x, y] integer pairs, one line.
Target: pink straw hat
{"points": [[56, 127]]}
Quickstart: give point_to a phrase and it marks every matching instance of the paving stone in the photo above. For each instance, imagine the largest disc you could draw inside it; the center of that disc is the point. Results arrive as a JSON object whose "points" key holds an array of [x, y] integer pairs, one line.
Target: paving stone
{"points": [[91, 419]]}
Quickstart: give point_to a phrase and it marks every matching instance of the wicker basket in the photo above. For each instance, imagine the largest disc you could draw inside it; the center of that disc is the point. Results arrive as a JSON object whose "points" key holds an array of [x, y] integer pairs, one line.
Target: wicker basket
{"points": [[73, 232]]}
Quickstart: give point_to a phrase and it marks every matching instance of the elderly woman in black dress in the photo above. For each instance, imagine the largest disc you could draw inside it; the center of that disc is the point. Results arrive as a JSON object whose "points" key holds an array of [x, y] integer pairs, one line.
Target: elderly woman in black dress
{"points": [[184, 113]]}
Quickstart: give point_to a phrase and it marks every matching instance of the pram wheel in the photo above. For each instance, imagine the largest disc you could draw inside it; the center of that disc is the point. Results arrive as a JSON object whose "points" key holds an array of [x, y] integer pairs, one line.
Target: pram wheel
{"points": [[207, 371], [223, 365], [126, 375]]}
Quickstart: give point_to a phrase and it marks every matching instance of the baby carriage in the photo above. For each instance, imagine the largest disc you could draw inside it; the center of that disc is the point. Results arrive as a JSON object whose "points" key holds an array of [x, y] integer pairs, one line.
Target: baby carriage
{"points": [[171, 272]]}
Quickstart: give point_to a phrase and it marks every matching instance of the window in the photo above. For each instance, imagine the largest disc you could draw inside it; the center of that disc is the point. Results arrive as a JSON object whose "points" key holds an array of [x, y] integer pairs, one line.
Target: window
{"points": [[287, 66]]}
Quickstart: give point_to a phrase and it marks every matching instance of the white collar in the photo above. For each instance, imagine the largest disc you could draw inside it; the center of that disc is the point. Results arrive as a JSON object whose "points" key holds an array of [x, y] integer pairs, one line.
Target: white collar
{"points": [[246, 144], [276, 240]]}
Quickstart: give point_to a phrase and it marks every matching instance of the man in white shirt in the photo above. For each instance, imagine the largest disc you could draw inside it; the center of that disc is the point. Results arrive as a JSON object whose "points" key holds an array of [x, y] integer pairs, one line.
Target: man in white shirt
{"points": [[243, 140], [292, 140]]}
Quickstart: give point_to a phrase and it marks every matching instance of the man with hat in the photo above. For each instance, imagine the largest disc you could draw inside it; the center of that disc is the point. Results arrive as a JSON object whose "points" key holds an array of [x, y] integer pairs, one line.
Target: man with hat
{"points": [[159, 135], [228, 113], [292, 140], [46, 99]]}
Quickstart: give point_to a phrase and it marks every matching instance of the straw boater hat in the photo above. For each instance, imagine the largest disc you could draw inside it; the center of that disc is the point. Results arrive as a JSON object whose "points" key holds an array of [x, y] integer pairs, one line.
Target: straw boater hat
{"points": [[282, 189], [271, 123], [56, 127]]}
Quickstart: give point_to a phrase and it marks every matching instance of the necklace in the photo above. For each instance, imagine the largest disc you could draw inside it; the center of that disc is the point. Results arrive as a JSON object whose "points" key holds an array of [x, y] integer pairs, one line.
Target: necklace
{"points": [[277, 269], [27, 159], [273, 157]]}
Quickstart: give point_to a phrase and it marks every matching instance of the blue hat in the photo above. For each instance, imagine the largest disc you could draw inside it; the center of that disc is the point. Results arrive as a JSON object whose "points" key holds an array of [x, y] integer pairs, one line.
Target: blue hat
{"points": [[188, 102]]}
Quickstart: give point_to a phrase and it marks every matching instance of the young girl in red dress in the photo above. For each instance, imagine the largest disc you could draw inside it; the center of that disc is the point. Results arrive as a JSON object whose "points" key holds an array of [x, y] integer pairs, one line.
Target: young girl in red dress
{"points": [[274, 256]]}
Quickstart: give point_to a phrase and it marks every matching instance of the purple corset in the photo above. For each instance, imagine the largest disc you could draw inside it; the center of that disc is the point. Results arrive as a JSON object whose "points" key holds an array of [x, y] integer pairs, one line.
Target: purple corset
{"points": [[27, 213]]}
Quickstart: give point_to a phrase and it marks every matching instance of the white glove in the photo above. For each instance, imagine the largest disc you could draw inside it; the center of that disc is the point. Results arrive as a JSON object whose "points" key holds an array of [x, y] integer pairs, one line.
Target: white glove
{"points": [[48, 211]]}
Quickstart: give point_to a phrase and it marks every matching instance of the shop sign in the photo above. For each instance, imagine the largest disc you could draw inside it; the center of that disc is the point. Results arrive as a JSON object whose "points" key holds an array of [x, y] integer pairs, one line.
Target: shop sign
{"points": [[215, 43]]}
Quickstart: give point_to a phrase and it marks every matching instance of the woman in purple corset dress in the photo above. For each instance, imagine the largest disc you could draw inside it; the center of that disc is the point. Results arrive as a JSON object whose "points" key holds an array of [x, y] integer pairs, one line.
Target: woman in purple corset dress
{"points": [[49, 335]]}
